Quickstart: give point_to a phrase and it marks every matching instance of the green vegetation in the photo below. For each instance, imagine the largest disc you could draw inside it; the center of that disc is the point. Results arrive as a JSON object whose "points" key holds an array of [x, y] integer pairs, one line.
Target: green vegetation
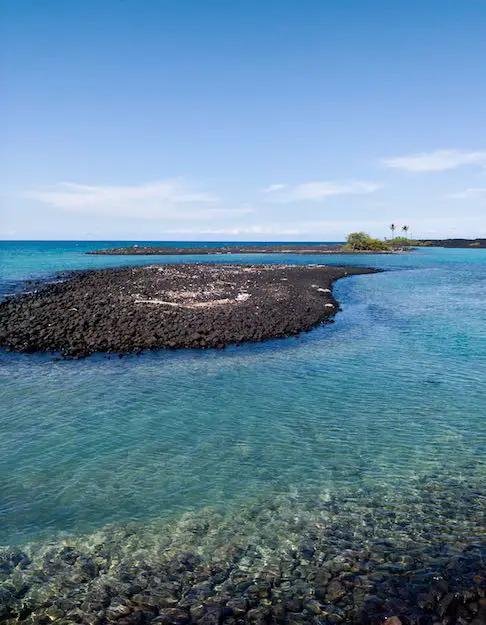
{"points": [[402, 241], [361, 241]]}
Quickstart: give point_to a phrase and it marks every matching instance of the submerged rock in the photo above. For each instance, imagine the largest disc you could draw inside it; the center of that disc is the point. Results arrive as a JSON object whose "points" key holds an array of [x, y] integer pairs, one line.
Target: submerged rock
{"points": [[287, 561]]}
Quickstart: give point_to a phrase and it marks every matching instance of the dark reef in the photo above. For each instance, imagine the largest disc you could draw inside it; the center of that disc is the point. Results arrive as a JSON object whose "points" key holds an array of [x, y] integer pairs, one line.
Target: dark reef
{"points": [[169, 306]]}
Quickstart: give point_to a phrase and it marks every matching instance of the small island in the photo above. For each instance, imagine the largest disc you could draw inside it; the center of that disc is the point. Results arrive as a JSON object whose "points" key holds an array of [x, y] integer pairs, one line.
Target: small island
{"points": [[170, 306], [356, 243]]}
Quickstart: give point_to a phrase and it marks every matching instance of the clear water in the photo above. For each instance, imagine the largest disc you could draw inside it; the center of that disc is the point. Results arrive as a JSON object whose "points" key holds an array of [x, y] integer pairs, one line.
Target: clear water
{"points": [[394, 390]]}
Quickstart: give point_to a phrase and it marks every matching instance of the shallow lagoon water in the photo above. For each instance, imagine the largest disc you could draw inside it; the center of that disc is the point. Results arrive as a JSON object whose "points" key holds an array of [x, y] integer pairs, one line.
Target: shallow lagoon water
{"points": [[331, 478], [392, 391]]}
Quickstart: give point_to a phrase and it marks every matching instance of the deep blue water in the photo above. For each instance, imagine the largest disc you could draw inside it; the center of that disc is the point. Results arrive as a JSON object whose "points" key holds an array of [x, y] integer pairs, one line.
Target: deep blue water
{"points": [[394, 389]]}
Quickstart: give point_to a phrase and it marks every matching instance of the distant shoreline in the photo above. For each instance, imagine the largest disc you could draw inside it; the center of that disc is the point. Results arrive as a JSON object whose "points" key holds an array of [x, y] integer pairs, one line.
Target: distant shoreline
{"points": [[454, 243], [170, 306], [149, 250]]}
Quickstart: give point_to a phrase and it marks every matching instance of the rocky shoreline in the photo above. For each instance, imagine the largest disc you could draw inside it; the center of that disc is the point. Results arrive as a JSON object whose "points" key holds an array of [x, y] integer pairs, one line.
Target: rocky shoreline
{"points": [[141, 250], [411, 555], [454, 243], [169, 306]]}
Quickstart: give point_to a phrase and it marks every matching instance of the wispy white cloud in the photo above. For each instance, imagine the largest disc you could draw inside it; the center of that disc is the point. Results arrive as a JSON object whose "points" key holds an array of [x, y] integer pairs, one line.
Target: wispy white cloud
{"points": [[335, 230], [469, 194], [439, 160], [273, 187], [309, 228], [252, 229], [165, 199], [319, 190]]}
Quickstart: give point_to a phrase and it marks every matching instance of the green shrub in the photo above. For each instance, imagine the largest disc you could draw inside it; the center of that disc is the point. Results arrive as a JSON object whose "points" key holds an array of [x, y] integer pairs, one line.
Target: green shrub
{"points": [[402, 241], [362, 241]]}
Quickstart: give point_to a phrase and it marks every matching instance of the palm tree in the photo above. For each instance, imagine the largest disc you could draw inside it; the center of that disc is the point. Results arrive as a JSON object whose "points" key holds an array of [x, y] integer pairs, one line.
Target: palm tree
{"points": [[405, 229], [393, 227]]}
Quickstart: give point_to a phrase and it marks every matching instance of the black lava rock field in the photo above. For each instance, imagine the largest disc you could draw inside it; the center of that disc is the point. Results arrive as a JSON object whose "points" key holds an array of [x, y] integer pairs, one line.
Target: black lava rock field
{"points": [[169, 306]]}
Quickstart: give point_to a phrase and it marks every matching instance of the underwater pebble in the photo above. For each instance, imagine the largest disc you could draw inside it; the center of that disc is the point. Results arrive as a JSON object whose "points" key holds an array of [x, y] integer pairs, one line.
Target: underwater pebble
{"points": [[288, 561]]}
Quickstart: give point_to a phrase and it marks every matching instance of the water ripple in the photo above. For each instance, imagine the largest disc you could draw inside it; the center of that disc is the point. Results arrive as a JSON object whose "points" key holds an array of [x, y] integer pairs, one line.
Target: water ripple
{"points": [[393, 390]]}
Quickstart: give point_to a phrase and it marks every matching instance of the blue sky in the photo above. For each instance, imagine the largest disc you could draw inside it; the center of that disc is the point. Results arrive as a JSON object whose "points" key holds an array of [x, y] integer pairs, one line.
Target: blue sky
{"points": [[249, 119]]}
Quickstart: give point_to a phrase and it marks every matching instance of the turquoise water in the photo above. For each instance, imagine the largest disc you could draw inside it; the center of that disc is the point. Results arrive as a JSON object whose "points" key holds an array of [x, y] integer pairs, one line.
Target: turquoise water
{"points": [[393, 391]]}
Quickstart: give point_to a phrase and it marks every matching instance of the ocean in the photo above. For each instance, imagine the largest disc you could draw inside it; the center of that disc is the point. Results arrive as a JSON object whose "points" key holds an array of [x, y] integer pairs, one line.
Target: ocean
{"points": [[381, 413]]}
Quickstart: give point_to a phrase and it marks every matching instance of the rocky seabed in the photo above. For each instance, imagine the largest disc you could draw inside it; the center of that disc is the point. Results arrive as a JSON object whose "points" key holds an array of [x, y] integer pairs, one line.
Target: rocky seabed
{"points": [[413, 556]]}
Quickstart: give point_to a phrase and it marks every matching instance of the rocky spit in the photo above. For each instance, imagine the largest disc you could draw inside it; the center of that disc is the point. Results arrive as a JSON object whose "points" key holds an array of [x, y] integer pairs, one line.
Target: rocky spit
{"points": [[368, 556], [455, 243], [152, 250], [169, 306]]}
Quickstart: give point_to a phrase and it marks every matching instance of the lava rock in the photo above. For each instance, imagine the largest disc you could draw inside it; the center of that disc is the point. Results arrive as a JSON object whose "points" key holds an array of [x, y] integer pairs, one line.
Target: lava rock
{"points": [[169, 306]]}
